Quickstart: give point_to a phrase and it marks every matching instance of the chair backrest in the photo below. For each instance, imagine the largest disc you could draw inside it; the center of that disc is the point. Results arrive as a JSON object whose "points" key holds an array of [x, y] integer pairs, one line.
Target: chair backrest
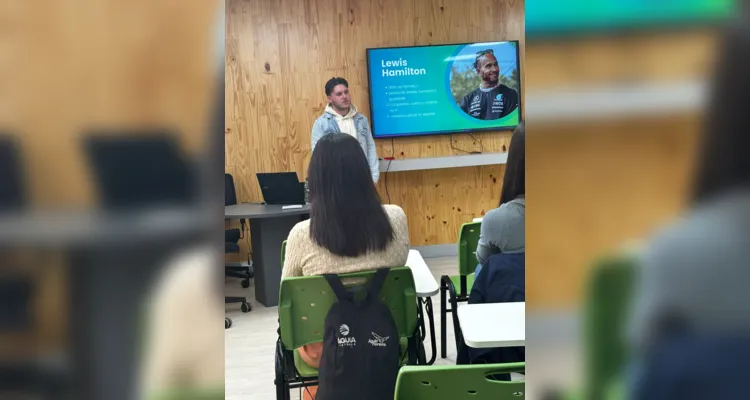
{"points": [[304, 303], [12, 188], [468, 238], [230, 194], [607, 307], [455, 382], [283, 252]]}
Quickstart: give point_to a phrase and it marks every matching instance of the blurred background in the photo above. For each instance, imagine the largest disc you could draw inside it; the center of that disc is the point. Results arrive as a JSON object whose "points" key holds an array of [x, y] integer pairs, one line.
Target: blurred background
{"points": [[615, 97], [111, 123]]}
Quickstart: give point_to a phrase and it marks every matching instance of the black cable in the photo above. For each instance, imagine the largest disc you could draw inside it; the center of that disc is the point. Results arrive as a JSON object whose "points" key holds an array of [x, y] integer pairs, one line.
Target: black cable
{"points": [[456, 148], [385, 175], [385, 180]]}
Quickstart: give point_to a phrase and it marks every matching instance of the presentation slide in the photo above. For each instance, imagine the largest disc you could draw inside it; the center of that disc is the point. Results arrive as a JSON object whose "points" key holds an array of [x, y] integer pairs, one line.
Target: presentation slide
{"points": [[444, 89]]}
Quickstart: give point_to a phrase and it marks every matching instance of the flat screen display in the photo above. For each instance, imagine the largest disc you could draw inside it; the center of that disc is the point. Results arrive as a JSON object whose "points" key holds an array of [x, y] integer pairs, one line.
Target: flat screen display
{"points": [[432, 90], [547, 17]]}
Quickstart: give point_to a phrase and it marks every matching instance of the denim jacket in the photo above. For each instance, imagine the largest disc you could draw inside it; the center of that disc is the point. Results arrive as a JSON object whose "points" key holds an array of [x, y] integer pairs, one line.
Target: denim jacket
{"points": [[327, 123]]}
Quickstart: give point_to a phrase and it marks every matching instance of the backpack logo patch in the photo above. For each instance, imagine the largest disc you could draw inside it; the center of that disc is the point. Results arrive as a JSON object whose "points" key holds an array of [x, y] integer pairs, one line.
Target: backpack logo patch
{"points": [[345, 341], [377, 340]]}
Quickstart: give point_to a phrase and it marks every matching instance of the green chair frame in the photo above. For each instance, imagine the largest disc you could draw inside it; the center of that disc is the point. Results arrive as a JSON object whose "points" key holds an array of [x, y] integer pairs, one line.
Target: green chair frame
{"points": [[468, 238], [456, 382], [609, 294], [303, 305]]}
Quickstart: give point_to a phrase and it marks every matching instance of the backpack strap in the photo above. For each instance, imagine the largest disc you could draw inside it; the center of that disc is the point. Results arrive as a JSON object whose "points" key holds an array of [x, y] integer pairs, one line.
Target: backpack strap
{"points": [[338, 288], [373, 290]]}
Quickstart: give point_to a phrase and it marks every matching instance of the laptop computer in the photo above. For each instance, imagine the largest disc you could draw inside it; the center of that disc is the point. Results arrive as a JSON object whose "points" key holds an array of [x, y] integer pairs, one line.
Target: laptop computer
{"points": [[281, 188], [136, 172]]}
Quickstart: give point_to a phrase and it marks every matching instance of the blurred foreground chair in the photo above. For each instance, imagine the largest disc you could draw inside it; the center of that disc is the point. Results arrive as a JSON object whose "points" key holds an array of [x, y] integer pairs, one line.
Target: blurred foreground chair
{"points": [[455, 382]]}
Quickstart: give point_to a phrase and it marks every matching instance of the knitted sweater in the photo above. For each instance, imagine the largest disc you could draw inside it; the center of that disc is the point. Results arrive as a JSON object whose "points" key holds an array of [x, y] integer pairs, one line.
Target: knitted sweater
{"points": [[304, 257]]}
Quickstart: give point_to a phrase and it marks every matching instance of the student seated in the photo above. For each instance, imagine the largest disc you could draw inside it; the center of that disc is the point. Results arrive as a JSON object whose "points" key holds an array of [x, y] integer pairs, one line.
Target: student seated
{"points": [[349, 230], [502, 280], [691, 303], [503, 228]]}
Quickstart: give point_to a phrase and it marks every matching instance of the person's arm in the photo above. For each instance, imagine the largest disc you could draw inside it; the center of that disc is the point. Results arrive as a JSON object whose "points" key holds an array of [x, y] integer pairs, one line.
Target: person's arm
{"points": [[317, 133], [491, 230], [293, 257], [465, 103], [511, 102], [650, 299], [372, 153]]}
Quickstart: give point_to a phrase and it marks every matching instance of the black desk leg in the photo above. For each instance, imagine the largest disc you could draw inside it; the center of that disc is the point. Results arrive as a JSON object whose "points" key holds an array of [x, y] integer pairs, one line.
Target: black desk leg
{"points": [[423, 334], [428, 306], [267, 235]]}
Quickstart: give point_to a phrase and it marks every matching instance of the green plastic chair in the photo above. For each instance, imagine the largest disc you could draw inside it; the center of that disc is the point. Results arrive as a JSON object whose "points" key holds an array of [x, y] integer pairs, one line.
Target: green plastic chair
{"points": [[303, 305], [609, 294], [190, 394], [455, 382], [459, 286]]}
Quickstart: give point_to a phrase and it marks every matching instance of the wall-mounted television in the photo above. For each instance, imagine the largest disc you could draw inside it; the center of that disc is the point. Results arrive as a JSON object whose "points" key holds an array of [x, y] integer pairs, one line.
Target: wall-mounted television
{"points": [[433, 90], [547, 18]]}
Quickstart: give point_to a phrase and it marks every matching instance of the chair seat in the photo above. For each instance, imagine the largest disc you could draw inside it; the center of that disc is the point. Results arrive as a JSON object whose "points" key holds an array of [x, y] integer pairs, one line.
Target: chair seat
{"points": [[231, 247], [232, 235], [306, 371], [456, 279]]}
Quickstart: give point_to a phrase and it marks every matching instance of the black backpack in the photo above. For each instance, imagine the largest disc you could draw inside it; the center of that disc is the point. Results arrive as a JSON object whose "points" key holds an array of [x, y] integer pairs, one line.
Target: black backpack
{"points": [[361, 349]]}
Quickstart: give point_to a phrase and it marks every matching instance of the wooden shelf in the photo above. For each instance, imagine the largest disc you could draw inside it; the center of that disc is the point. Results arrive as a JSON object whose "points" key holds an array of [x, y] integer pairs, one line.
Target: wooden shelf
{"points": [[469, 160], [615, 101]]}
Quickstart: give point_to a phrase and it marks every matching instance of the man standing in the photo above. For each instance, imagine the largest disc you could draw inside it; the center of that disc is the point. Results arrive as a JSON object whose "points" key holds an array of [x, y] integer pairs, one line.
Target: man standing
{"points": [[342, 116], [492, 100]]}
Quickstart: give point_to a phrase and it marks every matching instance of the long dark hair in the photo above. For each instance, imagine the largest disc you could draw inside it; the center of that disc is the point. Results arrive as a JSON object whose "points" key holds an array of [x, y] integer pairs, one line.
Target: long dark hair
{"points": [[514, 181], [724, 159], [346, 215]]}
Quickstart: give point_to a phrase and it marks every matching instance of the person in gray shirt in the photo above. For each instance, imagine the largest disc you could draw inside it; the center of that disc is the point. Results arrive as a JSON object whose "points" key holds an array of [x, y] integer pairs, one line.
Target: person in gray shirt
{"points": [[695, 274], [504, 228]]}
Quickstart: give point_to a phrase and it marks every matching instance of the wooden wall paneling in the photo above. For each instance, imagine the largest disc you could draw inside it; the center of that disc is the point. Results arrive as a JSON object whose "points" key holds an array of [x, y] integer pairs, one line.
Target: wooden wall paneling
{"points": [[439, 201], [636, 58], [118, 64]]}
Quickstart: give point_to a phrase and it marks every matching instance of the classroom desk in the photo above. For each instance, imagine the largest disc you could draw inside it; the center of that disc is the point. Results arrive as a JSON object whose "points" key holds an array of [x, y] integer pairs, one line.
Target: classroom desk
{"points": [[269, 227], [113, 261], [478, 219], [426, 287], [425, 283], [493, 325]]}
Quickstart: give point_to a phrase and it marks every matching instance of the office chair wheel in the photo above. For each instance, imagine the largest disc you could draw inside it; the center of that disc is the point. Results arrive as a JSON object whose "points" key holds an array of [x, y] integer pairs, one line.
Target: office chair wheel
{"points": [[227, 323], [245, 283], [245, 307]]}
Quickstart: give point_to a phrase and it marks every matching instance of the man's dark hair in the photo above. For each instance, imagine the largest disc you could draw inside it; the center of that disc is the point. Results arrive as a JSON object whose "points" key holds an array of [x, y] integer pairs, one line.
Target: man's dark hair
{"points": [[333, 82], [724, 164], [514, 181], [346, 215], [481, 54]]}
